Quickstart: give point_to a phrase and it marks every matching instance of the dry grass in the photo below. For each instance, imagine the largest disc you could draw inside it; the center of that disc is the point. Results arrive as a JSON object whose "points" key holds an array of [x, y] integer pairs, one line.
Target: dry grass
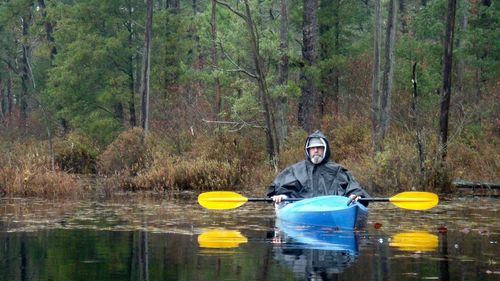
{"points": [[237, 161], [26, 172]]}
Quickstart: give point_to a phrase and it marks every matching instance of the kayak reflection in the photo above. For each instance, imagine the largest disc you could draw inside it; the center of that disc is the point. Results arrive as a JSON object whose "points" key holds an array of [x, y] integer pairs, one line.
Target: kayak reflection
{"points": [[314, 252]]}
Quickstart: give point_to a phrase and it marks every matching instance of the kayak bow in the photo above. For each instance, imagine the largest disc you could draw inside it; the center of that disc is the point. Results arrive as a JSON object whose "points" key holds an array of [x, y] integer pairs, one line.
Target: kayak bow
{"points": [[328, 211]]}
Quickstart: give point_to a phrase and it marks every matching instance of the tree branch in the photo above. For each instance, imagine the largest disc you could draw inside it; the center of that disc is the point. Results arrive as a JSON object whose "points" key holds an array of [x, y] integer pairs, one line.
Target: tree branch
{"points": [[238, 67], [236, 126], [232, 9]]}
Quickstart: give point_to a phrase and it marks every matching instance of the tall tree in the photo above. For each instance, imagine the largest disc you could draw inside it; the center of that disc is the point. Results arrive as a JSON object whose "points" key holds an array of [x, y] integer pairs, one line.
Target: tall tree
{"points": [[49, 29], [146, 66], [272, 146], [282, 100], [375, 110], [308, 104], [130, 66], [215, 62], [416, 119], [387, 78], [92, 76], [446, 90], [26, 74]]}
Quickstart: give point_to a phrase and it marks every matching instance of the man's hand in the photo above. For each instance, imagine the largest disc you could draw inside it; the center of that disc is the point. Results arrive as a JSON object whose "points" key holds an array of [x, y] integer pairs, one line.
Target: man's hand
{"points": [[278, 198], [353, 198]]}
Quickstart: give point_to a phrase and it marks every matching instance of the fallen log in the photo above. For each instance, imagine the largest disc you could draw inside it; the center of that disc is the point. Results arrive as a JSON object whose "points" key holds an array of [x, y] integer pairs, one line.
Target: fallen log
{"points": [[473, 184], [477, 188]]}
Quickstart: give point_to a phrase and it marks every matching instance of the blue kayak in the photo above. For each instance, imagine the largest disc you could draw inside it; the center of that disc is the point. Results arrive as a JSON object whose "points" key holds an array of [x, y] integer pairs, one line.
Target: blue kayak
{"points": [[329, 211]]}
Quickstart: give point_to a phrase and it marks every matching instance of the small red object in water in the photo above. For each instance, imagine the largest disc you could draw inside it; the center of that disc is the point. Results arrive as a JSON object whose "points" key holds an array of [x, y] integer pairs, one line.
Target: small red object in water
{"points": [[442, 229], [377, 225]]}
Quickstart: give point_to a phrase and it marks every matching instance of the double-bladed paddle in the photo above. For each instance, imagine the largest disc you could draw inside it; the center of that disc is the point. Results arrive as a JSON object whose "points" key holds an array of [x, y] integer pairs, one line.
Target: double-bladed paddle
{"points": [[412, 200]]}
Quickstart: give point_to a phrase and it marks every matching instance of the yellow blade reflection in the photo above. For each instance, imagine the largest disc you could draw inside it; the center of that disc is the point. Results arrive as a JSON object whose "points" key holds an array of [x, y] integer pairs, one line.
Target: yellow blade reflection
{"points": [[415, 241], [220, 238]]}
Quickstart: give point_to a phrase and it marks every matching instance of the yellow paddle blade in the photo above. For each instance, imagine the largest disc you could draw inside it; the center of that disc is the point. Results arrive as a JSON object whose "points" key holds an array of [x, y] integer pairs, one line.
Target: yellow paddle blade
{"points": [[221, 239], [415, 241], [415, 200], [221, 200]]}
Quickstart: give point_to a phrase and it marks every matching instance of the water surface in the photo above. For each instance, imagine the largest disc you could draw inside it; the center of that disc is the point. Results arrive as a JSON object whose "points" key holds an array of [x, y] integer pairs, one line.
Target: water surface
{"points": [[135, 237]]}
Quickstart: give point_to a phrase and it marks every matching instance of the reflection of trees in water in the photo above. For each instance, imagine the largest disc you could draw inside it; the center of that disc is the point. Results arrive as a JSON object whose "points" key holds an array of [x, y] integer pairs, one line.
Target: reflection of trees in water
{"points": [[443, 263], [24, 258], [140, 255]]}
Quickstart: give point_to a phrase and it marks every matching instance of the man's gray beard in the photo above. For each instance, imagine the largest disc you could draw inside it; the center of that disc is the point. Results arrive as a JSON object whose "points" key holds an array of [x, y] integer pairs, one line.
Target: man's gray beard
{"points": [[316, 159]]}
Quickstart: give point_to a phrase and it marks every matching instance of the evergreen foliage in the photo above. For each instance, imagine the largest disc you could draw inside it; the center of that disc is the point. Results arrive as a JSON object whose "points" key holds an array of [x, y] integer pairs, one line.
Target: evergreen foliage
{"points": [[83, 61]]}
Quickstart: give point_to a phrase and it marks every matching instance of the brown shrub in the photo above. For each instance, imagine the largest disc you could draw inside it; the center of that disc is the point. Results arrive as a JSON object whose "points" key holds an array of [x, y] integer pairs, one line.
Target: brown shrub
{"points": [[181, 174], [126, 155], [76, 154], [476, 160], [229, 146], [293, 150], [349, 138]]}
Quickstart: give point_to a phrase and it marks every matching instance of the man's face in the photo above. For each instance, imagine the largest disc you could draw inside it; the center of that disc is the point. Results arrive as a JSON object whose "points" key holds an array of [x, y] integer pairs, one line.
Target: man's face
{"points": [[316, 154]]}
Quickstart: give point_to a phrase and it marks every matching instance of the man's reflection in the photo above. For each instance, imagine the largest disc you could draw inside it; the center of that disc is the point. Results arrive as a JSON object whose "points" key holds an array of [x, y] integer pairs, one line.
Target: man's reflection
{"points": [[315, 253]]}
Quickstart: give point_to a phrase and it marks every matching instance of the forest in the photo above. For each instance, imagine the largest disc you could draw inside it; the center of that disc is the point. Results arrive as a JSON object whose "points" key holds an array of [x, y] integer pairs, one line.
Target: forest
{"points": [[179, 95]]}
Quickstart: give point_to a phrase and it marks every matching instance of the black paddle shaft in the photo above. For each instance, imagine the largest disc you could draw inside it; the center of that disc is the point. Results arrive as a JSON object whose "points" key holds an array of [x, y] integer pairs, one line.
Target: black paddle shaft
{"points": [[298, 199], [271, 200]]}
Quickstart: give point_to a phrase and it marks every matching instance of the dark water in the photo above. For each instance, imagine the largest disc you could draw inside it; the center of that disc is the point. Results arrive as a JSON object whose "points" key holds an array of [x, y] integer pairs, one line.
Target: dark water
{"points": [[139, 238]]}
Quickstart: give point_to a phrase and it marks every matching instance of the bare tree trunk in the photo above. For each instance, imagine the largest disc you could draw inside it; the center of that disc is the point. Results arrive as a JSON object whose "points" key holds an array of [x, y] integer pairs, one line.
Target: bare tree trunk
{"points": [[387, 80], [2, 98], [308, 103], [403, 15], [446, 93], [329, 94], [376, 78], [215, 63], [282, 101], [10, 103], [146, 66], [336, 71], [461, 62], [25, 68], [415, 114], [132, 121], [48, 30]]}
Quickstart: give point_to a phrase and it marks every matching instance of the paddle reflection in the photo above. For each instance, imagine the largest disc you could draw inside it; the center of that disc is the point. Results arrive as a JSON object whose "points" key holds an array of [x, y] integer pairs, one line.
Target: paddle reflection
{"points": [[415, 241], [221, 239], [315, 252]]}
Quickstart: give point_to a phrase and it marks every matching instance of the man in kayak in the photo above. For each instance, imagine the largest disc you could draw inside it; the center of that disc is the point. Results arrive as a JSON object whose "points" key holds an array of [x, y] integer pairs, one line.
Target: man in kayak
{"points": [[315, 176]]}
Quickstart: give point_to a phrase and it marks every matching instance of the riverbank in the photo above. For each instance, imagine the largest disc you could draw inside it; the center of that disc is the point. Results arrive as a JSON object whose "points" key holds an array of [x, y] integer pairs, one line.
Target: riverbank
{"points": [[227, 161]]}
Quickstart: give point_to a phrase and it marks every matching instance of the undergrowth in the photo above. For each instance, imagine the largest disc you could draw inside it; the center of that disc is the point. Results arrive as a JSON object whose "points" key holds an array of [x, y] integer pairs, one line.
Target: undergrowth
{"points": [[237, 161]]}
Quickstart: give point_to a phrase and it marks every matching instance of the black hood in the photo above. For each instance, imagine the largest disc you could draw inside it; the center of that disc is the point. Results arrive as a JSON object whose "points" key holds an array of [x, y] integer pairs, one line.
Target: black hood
{"points": [[318, 134]]}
